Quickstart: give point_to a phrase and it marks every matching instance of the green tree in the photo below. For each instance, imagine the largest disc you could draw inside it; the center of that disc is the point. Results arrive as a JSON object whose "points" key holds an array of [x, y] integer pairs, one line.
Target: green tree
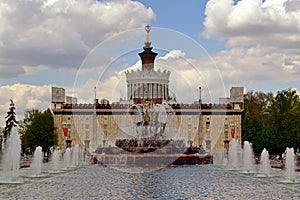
{"points": [[10, 120], [272, 122], [256, 117], [287, 114], [38, 130]]}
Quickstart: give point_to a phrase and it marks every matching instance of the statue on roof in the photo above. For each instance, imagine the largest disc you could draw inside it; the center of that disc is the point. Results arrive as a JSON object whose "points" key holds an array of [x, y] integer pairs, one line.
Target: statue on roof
{"points": [[148, 42]]}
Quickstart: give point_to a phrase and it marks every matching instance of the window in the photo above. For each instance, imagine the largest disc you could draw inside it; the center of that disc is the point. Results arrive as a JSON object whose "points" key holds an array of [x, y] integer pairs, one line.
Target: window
{"points": [[226, 134], [236, 106], [208, 135], [207, 125], [190, 135]]}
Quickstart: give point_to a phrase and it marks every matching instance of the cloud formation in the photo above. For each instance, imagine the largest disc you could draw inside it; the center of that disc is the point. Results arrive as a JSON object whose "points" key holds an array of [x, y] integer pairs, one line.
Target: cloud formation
{"points": [[59, 34], [274, 23], [25, 97], [262, 36]]}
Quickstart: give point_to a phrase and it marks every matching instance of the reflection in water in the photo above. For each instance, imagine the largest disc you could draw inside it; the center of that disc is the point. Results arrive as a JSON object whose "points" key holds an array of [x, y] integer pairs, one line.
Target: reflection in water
{"points": [[184, 182]]}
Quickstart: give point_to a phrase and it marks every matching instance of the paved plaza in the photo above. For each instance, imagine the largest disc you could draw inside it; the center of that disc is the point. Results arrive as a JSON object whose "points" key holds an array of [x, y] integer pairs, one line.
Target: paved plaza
{"points": [[186, 182]]}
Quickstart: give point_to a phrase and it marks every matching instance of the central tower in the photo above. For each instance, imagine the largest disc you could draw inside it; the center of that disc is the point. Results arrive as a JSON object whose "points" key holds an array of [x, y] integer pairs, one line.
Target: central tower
{"points": [[147, 83], [147, 56]]}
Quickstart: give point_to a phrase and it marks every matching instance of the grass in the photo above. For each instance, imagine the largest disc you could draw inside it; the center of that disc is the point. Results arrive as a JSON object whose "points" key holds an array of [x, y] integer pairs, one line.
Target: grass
{"points": [[293, 180], [14, 179], [38, 174]]}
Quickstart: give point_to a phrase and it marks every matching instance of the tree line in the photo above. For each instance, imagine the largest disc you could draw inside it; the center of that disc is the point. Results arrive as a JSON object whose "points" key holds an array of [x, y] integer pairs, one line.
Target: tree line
{"points": [[272, 121], [36, 129], [268, 121]]}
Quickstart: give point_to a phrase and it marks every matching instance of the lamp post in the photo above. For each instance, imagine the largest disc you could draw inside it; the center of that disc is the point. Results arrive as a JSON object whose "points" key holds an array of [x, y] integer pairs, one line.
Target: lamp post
{"points": [[67, 140], [200, 116], [1, 140], [232, 130], [226, 147]]}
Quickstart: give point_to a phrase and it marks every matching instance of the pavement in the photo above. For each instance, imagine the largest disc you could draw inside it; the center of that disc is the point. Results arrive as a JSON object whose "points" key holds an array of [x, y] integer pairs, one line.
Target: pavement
{"points": [[181, 182]]}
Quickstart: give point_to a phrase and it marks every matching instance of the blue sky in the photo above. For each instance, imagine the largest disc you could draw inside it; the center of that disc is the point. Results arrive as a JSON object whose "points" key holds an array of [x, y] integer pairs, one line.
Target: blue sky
{"points": [[184, 17], [249, 43]]}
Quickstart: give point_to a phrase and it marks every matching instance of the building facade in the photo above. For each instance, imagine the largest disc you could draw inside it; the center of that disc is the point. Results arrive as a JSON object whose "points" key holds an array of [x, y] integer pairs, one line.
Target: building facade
{"points": [[99, 124]]}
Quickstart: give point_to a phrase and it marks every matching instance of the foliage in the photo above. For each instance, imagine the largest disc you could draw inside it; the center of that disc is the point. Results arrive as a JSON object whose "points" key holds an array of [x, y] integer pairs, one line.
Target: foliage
{"points": [[272, 122], [38, 130], [10, 120]]}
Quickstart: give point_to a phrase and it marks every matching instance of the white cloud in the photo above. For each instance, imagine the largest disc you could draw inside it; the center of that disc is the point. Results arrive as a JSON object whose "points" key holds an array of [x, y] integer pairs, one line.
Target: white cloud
{"points": [[60, 33], [262, 36], [257, 64], [173, 54], [25, 97], [273, 23]]}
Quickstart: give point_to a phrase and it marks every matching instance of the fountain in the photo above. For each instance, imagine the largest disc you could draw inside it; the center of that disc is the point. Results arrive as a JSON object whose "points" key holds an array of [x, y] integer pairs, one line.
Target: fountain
{"points": [[290, 166], [149, 138], [248, 158], [145, 130], [55, 159], [233, 153], [11, 158], [219, 158], [265, 167], [37, 162], [67, 158], [75, 156], [55, 162], [83, 157]]}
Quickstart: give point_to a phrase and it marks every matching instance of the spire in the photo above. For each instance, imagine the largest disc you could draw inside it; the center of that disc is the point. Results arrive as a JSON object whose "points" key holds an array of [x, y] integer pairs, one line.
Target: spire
{"points": [[147, 43], [147, 56]]}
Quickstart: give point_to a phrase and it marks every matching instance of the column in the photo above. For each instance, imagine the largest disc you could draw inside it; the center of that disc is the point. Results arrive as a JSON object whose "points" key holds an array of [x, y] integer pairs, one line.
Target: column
{"points": [[164, 93], [167, 91], [143, 91], [153, 89], [156, 90], [161, 91], [150, 91], [139, 90], [133, 91], [128, 91]]}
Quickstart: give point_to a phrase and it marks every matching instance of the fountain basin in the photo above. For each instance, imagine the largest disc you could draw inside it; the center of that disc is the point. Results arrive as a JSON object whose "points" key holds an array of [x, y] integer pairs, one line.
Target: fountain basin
{"points": [[25, 163], [11, 182]]}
